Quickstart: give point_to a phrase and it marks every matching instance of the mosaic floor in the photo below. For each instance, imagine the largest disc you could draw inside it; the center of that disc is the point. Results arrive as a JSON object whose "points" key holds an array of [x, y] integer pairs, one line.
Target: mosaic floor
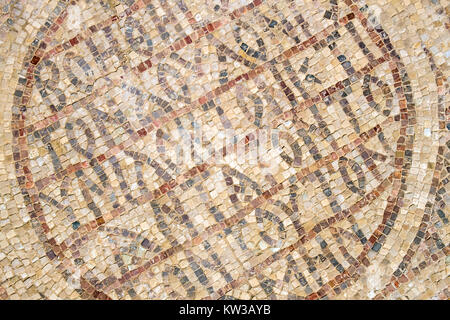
{"points": [[224, 149]]}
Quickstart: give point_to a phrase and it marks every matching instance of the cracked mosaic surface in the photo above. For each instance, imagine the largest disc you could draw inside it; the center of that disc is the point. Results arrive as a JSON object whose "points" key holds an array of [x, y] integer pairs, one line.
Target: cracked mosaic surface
{"points": [[347, 199]]}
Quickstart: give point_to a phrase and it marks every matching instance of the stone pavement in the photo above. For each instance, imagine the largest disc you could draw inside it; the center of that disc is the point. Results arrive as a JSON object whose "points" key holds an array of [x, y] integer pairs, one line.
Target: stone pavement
{"points": [[223, 149]]}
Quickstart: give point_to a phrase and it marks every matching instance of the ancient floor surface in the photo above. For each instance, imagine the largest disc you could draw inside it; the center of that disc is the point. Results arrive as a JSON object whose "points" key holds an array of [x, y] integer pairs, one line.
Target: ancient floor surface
{"points": [[224, 149]]}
